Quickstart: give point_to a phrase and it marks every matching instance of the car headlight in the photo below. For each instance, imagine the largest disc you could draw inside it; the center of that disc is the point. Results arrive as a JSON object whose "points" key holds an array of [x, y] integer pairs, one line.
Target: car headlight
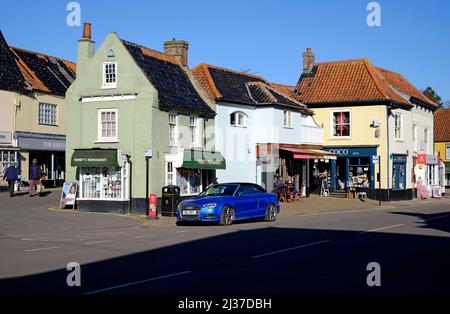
{"points": [[209, 206]]}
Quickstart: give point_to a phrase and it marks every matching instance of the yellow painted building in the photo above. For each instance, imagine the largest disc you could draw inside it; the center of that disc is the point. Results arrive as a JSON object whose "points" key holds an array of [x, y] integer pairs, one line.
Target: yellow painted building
{"points": [[371, 117], [33, 113], [442, 144]]}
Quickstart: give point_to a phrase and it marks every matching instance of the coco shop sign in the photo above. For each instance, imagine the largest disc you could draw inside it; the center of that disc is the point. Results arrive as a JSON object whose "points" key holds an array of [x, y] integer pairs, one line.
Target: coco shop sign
{"points": [[352, 151]]}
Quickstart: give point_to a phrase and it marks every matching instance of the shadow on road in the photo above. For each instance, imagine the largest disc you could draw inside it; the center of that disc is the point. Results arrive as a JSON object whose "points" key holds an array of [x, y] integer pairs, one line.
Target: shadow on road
{"points": [[431, 221], [268, 260]]}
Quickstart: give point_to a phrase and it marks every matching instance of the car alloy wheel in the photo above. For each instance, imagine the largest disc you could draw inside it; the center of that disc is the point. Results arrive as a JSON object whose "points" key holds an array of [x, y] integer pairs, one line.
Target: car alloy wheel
{"points": [[271, 213], [227, 216]]}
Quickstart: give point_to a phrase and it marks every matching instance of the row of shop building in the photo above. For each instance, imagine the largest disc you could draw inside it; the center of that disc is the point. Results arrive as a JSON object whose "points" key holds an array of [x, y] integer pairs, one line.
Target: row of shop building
{"points": [[347, 123]]}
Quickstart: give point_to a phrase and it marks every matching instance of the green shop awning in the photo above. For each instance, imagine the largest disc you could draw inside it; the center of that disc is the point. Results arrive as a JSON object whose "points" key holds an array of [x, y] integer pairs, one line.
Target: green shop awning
{"points": [[197, 159], [86, 158]]}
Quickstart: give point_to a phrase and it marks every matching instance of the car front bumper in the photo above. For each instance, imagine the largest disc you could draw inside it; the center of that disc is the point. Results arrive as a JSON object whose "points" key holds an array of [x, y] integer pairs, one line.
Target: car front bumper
{"points": [[203, 214]]}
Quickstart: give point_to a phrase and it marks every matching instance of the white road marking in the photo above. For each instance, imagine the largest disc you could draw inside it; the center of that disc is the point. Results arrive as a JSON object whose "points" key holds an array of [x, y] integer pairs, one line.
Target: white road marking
{"points": [[181, 231], [42, 249], [97, 242], [290, 249], [383, 228], [144, 236], [139, 282]]}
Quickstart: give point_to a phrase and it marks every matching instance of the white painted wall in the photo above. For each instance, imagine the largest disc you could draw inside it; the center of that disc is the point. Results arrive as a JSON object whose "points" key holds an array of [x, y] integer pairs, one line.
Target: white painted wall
{"points": [[422, 118], [264, 125]]}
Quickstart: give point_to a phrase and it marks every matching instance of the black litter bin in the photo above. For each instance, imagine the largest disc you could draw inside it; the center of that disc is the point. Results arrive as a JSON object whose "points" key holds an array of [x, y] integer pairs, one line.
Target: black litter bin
{"points": [[170, 200]]}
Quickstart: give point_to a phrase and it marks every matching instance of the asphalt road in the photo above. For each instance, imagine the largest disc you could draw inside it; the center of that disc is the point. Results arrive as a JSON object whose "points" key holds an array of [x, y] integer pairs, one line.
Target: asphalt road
{"points": [[315, 253]]}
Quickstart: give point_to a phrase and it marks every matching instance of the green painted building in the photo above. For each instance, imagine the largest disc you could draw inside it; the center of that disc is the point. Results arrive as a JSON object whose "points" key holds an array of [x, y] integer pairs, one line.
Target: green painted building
{"points": [[129, 101]]}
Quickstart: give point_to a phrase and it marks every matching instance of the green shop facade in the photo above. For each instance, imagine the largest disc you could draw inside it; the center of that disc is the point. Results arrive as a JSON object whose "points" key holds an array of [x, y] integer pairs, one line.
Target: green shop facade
{"points": [[130, 109]]}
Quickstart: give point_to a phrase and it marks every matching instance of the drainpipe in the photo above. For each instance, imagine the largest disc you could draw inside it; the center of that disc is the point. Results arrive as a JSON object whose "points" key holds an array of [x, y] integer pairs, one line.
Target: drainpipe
{"points": [[388, 112], [130, 192]]}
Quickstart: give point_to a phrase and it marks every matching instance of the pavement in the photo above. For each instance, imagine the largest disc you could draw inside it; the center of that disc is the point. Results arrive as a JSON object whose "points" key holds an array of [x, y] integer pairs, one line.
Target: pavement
{"points": [[318, 245]]}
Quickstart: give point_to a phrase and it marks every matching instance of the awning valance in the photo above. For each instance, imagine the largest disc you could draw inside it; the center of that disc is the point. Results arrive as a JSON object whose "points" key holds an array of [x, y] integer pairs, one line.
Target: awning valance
{"points": [[305, 153], [86, 158], [197, 159]]}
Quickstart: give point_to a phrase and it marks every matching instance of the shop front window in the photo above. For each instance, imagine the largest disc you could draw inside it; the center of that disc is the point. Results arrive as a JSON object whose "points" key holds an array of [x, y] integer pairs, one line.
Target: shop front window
{"points": [[103, 183], [7, 157], [359, 172], [189, 180]]}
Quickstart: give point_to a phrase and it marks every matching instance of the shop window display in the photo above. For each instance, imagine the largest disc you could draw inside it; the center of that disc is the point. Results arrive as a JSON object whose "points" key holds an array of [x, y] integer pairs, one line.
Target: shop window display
{"points": [[189, 180], [103, 183]]}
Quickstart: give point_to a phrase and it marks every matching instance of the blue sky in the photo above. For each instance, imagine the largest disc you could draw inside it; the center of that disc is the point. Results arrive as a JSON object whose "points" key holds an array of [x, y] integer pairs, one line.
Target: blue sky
{"points": [[266, 37]]}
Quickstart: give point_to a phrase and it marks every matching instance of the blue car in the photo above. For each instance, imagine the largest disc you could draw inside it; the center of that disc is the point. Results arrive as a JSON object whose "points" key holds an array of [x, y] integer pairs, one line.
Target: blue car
{"points": [[228, 202]]}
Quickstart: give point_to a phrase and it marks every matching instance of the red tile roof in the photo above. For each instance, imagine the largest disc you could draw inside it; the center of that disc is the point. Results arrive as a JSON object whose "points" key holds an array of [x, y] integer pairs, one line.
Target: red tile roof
{"points": [[442, 125], [241, 87], [355, 81]]}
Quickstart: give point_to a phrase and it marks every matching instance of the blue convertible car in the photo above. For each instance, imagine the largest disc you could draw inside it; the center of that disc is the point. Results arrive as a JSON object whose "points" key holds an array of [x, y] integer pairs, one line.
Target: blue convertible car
{"points": [[229, 202]]}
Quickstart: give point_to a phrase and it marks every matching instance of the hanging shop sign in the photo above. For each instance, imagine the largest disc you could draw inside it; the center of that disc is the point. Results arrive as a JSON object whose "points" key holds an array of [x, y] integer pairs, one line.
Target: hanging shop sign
{"points": [[5, 137], [421, 159]]}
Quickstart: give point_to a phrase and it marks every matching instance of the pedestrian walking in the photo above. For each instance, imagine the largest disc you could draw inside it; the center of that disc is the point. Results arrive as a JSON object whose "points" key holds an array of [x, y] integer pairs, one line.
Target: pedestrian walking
{"points": [[11, 176], [35, 177]]}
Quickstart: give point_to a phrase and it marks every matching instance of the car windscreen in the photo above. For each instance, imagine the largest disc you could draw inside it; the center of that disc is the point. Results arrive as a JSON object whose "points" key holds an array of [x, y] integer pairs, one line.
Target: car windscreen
{"points": [[220, 190]]}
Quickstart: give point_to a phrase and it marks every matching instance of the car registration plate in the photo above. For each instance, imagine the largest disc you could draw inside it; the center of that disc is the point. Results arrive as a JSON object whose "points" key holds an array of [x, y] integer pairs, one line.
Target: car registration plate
{"points": [[189, 212]]}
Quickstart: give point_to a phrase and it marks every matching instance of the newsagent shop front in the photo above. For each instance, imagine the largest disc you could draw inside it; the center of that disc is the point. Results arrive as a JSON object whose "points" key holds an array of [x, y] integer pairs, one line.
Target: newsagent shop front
{"points": [[103, 178]]}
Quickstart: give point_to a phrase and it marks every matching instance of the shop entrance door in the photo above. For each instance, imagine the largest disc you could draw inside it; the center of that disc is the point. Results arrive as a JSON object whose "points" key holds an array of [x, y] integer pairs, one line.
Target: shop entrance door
{"points": [[341, 170]]}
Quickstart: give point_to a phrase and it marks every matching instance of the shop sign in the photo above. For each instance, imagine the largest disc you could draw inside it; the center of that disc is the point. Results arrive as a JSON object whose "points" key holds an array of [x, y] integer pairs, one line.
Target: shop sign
{"points": [[431, 159], [352, 151], [374, 159], [208, 162], [399, 158], [5, 137], [42, 144], [421, 159]]}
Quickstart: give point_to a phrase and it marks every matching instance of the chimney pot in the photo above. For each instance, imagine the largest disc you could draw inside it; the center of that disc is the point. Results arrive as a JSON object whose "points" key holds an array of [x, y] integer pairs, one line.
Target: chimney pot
{"points": [[87, 30]]}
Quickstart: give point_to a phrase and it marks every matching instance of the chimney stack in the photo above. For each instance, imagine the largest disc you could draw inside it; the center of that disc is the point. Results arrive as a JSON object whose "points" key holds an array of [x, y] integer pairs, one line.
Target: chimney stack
{"points": [[177, 49], [308, 60], [85, 48]]}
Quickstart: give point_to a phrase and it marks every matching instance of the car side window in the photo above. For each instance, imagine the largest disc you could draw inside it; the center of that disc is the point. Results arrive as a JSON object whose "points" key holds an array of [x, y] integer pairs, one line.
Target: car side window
{"points": [[248, 190]]}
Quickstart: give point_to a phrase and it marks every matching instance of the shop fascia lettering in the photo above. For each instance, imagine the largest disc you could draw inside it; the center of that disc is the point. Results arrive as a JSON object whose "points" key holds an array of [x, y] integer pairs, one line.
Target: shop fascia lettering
{"points": [[209, 162], [90, 159]]}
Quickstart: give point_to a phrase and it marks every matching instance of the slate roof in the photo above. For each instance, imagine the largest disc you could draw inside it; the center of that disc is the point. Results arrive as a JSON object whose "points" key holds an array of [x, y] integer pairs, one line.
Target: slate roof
{"points": [[356, 81], [10, 76], [243, 88], [442, 125], [44, 73], [176, 91]]}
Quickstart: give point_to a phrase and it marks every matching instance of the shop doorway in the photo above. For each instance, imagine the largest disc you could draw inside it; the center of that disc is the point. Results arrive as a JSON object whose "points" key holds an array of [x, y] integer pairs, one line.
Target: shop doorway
{"points": [[341, 173], [52, 166]]}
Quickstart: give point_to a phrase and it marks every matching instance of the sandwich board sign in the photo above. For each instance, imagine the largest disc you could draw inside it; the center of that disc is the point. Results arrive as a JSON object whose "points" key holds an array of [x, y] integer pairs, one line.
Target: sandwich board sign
{"points": [[68, 195]]}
